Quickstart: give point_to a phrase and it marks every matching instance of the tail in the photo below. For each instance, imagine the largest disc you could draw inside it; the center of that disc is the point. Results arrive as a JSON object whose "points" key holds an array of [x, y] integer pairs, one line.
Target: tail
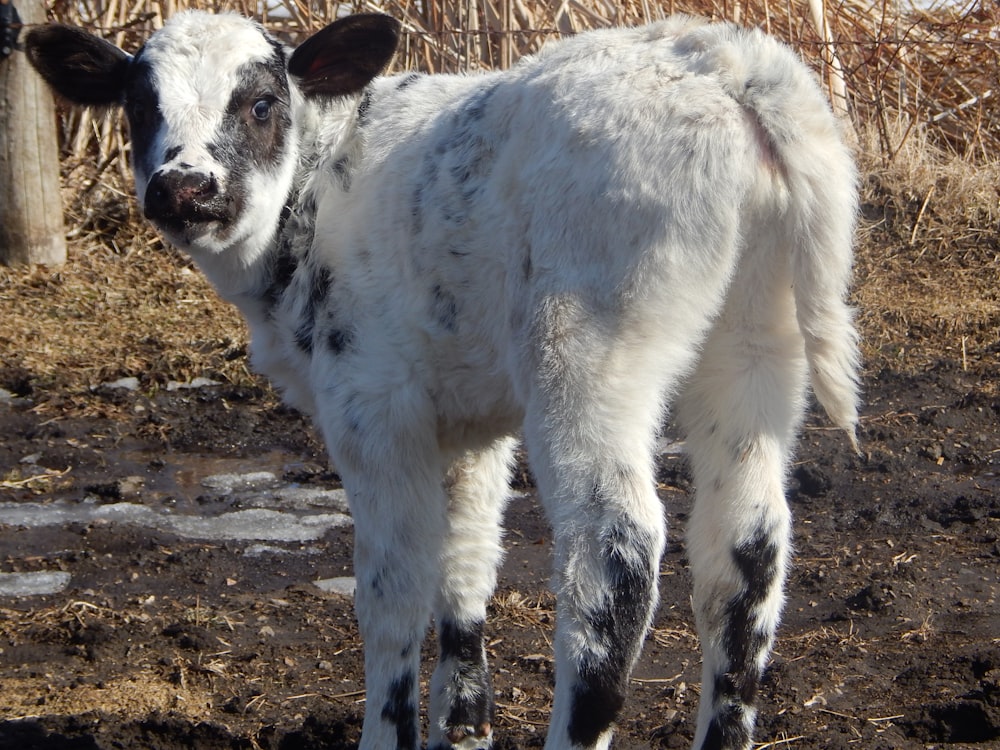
{"points": [[807, 146]]}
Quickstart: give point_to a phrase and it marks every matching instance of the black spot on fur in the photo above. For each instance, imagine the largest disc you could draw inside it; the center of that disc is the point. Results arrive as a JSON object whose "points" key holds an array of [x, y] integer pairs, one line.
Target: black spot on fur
{"points": [[171, 154], [318, 291], [445, 308], [281, 270], [400, 710], [342, 173], [526, 266], [408, 81], [376, 585], [475, 108], [364, 106], [458, 165], [339, 339]]}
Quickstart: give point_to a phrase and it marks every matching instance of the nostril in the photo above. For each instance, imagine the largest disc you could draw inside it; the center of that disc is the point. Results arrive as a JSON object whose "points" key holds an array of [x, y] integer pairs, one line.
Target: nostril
{"points": [[184, 196], [197, 187]]}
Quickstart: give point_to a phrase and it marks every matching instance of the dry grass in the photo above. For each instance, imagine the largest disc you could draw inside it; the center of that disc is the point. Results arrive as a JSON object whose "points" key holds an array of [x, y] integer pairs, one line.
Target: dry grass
{"points": [[918, 87]]}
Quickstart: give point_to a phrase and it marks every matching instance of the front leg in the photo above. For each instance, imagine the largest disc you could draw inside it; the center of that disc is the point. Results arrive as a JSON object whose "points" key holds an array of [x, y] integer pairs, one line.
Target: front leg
{"points": [[461, 710], [392, 471]]}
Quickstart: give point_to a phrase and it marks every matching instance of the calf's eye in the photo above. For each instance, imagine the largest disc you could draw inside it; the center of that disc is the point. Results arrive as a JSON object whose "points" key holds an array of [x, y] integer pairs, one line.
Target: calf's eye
{"points": [[261, 110]]}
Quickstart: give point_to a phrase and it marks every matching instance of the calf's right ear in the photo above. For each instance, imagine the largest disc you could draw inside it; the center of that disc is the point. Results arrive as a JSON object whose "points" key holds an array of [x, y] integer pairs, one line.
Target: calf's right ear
{"points": [[79, 66]]}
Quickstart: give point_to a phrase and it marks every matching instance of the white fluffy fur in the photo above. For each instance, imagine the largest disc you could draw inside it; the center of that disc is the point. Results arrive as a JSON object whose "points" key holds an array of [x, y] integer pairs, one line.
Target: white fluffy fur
{"points": [[631, 220]]}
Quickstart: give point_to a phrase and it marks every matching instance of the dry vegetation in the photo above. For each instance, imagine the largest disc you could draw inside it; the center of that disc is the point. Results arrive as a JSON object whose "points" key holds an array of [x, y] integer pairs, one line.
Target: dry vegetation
{"points": [[917, 88]]}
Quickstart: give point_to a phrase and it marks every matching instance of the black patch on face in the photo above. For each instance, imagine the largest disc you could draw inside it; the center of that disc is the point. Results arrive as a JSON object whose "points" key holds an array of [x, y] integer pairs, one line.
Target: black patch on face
{"points": [[247, 141], [400, 710], [619, 626], [526, 266], [445, 308], [142, 109]]}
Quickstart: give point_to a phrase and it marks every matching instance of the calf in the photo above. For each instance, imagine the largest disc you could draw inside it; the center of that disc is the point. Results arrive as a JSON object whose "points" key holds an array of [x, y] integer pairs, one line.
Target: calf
{"points": [[629, 220]]}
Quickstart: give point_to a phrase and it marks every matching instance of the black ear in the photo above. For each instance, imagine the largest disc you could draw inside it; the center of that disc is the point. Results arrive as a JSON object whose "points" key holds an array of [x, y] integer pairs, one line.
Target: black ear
{"points": [[345, 56], [81, 67]]}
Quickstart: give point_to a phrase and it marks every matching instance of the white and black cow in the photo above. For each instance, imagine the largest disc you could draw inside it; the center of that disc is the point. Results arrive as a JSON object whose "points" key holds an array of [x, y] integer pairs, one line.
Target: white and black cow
{"points": [[630, 220]]}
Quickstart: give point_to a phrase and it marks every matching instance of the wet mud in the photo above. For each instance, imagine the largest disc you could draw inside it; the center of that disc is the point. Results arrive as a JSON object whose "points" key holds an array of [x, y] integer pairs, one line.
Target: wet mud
{"points": [[198, 566]]}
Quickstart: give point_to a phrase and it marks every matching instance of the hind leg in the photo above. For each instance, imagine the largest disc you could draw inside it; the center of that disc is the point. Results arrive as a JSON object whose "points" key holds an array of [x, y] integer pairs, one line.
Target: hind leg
{"points": [[589, 431], [740, 412], [461, 704]]}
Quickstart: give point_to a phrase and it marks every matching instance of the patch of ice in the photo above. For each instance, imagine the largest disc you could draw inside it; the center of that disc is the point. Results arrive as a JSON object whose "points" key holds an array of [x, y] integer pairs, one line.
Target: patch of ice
{"points": [[344, 585], [303, 498], [227, 483], [176, 385], [33, 584], [256, 524], [127, 384]]}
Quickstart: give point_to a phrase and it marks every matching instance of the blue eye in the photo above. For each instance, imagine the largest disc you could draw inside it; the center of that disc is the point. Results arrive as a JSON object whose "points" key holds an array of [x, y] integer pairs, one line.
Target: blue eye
{"points": [[261, 110]]}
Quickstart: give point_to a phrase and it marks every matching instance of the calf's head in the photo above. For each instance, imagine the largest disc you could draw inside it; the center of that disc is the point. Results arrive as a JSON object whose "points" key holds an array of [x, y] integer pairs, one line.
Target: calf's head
{"points": [[214, 105]]}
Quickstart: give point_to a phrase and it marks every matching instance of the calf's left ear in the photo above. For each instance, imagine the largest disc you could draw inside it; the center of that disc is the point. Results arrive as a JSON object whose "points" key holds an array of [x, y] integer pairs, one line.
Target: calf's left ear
{"points": [[345, 56]]}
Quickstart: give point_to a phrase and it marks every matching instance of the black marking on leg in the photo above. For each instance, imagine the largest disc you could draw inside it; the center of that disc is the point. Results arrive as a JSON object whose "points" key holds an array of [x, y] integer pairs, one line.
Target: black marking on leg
{"points": [[619, 628], [462, 643], [727, 730], [743, 639], [471, 687], [400, 710], [735, 691]]}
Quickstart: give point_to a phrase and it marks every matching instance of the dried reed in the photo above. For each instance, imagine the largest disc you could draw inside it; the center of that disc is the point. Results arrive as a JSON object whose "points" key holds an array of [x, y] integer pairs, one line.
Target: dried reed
{"points": [[918, 87]]}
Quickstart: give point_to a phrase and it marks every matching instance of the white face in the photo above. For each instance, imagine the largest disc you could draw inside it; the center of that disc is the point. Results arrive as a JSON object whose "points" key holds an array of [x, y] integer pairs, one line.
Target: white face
{"points": [[210, 111]]}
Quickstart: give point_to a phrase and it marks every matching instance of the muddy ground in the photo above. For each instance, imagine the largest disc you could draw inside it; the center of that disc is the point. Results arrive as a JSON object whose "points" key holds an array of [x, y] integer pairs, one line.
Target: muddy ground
{"points": [[160, 640]]}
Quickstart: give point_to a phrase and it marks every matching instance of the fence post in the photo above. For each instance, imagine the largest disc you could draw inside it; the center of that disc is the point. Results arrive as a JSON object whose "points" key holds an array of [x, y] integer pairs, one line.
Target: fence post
{"points": [[31, 224]]}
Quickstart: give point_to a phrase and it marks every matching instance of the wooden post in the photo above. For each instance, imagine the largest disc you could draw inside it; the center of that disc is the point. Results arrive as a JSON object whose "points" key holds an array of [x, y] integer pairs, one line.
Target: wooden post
{"points": [[31, 224]]}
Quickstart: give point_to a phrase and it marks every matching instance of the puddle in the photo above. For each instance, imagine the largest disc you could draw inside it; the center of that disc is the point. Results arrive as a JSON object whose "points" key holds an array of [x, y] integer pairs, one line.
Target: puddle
{"points": [[211, 499]]}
